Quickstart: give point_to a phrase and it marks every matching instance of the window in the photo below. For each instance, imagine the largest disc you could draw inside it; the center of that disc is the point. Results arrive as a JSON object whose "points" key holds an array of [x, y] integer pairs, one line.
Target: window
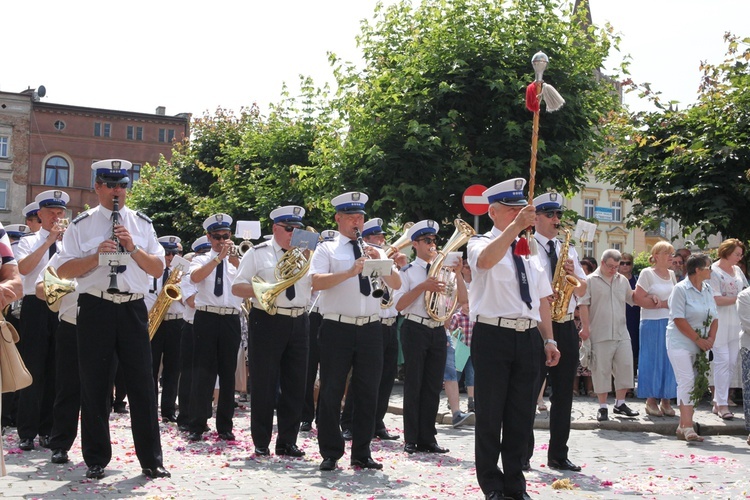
{"points": [[135, 133], [588, 249], [107, 129], [166, 135], [616, 211], [588, 207], [135, 173], [56, 171], [130, 133], [4, 153], [59, 125], [616, 246], [3, 195], [97, 129]]}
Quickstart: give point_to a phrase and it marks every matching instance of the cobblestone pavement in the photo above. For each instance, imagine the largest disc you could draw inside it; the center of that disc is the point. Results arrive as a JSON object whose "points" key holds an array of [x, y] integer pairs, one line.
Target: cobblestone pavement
{"points": [[621, 459]]}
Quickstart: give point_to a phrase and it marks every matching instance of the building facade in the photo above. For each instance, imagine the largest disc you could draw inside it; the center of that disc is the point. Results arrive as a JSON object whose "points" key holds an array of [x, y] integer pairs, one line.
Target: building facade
{"points": [[15, 112]]}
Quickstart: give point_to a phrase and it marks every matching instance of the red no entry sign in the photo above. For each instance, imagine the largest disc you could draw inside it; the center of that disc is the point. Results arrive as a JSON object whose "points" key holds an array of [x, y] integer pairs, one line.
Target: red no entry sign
{"points": [[473, 201]]}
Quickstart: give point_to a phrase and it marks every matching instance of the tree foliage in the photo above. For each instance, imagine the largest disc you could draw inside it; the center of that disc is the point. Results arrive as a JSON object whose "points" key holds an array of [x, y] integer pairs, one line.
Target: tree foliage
{"points": [[689, 165]]}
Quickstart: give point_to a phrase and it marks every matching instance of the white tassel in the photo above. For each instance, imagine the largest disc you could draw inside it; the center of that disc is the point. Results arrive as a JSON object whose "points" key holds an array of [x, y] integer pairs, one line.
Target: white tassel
{"points": [[533, 249], [552, 97]]}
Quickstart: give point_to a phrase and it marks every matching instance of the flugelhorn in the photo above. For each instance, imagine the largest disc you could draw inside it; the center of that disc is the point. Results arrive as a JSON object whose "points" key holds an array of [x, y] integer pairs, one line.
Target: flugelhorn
{"points": [[390, 250], [55, 288]]}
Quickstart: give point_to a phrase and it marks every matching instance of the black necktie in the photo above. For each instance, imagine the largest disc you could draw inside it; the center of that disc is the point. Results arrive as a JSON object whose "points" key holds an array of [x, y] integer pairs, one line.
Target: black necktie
{"points": [[219, 282], [290, 292], [364, 283], [52, 251], [523, 280], [427, 268], [165, 277], [552, 254]]}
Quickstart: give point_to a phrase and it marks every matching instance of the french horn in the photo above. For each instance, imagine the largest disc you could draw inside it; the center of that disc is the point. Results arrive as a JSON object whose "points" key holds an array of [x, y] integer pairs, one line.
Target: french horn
{"points": [[55, 288]]}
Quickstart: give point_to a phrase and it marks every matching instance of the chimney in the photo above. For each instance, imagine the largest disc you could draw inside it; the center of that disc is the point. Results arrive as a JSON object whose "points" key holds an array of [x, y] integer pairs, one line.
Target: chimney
{"points": [[161, 110]]}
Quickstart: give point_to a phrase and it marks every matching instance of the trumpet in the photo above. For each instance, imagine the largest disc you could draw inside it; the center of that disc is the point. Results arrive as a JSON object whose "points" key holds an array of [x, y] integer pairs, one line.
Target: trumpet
{"points": [[375, 286], [386, 302], [56, 288], [241, 249]]}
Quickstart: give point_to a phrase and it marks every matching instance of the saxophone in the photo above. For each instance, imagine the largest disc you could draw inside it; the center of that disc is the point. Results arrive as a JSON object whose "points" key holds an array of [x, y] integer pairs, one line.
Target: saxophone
{"points": [[168, 294], [562, 283]]}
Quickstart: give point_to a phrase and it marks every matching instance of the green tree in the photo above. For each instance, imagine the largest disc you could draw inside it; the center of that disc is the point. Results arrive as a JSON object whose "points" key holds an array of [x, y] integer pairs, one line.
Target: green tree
{"points": [[689, 165], [439, 104]]}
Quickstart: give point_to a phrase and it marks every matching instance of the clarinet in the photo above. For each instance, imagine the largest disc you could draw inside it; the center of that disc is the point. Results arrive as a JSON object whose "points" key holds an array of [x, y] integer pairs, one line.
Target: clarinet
{"points": [[113, 288], [377, 288]]}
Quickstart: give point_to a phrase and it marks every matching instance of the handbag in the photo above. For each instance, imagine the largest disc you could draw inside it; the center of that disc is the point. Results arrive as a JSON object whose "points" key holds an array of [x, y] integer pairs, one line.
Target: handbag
{"points": [[584, 353], [15, 375]]}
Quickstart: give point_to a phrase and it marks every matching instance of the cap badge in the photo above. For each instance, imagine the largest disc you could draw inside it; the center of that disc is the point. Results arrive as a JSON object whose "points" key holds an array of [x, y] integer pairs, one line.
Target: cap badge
{"points": [[519, 184], [355, 196]]}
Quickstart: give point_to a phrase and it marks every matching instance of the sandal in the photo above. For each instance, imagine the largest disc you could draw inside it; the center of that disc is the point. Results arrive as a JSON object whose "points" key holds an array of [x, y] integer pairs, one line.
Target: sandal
{"points": [[689, 434], [654, 411], [681, 435], [667, 411], [727, 415], [541, 406]]}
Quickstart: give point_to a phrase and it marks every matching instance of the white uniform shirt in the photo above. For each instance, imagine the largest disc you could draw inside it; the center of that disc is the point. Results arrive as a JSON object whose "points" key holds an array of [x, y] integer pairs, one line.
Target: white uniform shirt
{"points": [[261, 260], [544, 261], [345, 298], [83, 236], [204, 295], [188, 290], [26, 246], [496, 292], [176, 307], [411, 276]]}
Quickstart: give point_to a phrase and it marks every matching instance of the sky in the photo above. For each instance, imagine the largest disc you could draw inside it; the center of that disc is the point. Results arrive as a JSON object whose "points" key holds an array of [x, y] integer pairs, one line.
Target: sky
{"points": [[194, 57]]}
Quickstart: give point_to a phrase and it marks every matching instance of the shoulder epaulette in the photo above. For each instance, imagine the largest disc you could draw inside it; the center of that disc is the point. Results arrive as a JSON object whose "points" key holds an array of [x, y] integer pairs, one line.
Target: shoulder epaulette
{"points": [[80, 217], [480, 236], [262, 245], [407, 266], [144, 217]]}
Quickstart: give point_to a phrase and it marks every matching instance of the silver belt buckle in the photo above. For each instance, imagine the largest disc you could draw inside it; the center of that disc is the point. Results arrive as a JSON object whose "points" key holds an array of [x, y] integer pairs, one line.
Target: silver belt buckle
{"points": [[359, 321], [522, 325]]}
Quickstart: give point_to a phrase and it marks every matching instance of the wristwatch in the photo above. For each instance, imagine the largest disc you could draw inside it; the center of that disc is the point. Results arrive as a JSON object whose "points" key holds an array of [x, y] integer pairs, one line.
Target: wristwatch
{"points": [[135, 249], [550, 341], [217, 259]]}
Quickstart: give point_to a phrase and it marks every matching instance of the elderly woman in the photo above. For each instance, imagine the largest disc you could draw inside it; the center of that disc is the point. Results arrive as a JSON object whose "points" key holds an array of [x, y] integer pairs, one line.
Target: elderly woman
{"points": [[727, 280], [690, 305], [656, 379]]}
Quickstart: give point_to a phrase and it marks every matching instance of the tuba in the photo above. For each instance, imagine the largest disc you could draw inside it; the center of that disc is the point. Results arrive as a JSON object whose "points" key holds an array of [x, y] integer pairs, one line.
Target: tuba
{"points": [[168, 294], [562, 283], [386, 301], [55, 288], [440, 306]]}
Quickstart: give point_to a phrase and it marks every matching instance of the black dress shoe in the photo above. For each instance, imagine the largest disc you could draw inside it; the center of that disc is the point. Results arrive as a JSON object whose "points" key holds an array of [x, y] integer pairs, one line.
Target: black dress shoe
{"points": [[624, 409], [156, 472], [95, 472], [263, 452], [44, 441], [366, 463], [183, 428], [289, 450], [328, 464], [119, 408], [346, 434], [226, 436], [305, 426], [195, 436], [59, 457], [518, 495], [410, 448], [26, 444], [383, 434], [563, 465], [169, 418], [432, 448], [494, 495]]}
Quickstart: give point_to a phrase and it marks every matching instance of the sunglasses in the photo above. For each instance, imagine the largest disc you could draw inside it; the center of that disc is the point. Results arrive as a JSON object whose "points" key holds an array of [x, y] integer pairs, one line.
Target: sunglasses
{"points": [[219, 237], [429, 241], [288, 229], [626, 263], [112, 185], [173, 252], [552, 213]]}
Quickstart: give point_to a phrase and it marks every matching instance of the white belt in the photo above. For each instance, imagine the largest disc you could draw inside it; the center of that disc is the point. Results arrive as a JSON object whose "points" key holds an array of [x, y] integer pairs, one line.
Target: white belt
{"points": [[519, 325], [314, 309], [117, 298], [223, 311], [350, 320], [425, 321], [286, 311], [564, 319], [171, 316], [388, 321]]}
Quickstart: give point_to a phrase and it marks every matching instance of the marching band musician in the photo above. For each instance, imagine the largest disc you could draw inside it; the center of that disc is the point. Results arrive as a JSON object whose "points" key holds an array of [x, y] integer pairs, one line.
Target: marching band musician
{"points": [[507, 302], [165, 346], [350, 335], [423, 341], [9, 272], [216, 329], [549, 208], [278, 343], [114, 325], [38, 323], [187, 343], [31, 214], [373, 234]]}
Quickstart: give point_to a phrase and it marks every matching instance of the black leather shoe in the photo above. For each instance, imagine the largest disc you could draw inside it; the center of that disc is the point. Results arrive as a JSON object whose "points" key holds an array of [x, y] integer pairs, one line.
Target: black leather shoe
{"points": [[59, 457], [226, 436], [289, 450], [183, 428], [410, 448], [494, 495], [195, 436], [366, 463], [169, 418], [563, 465], [305, 426], [95, 472], [119, 408], [383, 434], [517, 495], [601, 415], [44, 441], [432, 448], [346, 434], [624, 409], [328, 464], [156, 472], [26, 444], [263, 452]]}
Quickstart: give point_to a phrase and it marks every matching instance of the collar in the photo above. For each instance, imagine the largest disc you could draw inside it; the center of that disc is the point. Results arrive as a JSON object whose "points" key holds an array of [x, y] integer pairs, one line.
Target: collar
{"points": [[420, 262], [107, 212], [276, 246], [542, 239]]}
